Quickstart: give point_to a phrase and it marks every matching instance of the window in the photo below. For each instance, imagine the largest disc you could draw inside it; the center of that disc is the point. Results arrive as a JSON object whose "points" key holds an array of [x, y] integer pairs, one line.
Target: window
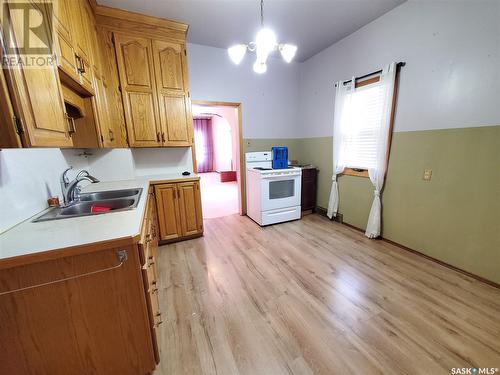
{"points": [[362, 130], [363, 113]]}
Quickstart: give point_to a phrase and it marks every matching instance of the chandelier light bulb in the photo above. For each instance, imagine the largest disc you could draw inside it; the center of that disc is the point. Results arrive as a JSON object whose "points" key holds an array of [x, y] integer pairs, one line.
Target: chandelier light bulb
{"points": [[237, 53], [288, 52], [259, 67], [265, 41]]}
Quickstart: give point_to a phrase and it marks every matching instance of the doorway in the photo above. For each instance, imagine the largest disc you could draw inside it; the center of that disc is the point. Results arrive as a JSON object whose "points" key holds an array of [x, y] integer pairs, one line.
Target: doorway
{"points": [[217, 151]]}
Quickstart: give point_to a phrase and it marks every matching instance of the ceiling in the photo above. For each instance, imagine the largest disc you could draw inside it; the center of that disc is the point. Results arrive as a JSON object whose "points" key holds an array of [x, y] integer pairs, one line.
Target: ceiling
{"points": [[312, 25]]}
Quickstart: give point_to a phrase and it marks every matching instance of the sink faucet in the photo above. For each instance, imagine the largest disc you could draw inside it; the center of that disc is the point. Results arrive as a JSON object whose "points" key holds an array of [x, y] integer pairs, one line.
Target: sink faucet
{"points": [[70, 189]]}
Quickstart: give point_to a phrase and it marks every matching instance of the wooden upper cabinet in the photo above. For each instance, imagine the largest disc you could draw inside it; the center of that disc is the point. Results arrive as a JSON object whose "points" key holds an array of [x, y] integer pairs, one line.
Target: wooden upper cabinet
{"points": [[74, 36], [190, 208], [64, 39], [174, 119], [37, 98], [169, 59], [135, 64], [9, 136], [173, 97], [167, 202], [114, 132], [80, 17], [85, 42]]}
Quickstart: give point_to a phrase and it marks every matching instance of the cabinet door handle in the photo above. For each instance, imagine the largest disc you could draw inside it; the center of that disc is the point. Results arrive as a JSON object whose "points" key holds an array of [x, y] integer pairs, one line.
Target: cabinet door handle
{"points": [[122, 256], [71, 124], [77, 60], [73, 127], [158, 137], [163, 137], [79, 64], [82, 66], [111, 135], [66, 117]]}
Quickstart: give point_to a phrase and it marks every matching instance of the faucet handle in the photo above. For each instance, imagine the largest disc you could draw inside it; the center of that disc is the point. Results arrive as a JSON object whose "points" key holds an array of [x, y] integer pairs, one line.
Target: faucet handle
{"points": [[83, 172], [64, 177]]}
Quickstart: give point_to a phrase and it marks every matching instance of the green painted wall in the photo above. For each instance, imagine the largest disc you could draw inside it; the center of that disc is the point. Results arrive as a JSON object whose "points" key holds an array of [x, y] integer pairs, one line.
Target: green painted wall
{"points": [[455, 217]]}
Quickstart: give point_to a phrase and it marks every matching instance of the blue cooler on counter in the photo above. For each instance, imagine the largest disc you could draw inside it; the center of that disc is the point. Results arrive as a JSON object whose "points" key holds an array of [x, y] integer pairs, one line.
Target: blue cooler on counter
{"points": [[280, 157]]}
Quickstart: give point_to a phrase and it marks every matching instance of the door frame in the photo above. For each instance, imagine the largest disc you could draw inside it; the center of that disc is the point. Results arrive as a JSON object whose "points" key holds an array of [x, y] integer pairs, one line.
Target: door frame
{"points": [[238, 106]]}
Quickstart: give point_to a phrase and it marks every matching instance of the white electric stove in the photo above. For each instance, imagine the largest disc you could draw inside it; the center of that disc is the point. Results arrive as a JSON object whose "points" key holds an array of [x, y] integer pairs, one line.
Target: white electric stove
{"points": [[273, 195]]}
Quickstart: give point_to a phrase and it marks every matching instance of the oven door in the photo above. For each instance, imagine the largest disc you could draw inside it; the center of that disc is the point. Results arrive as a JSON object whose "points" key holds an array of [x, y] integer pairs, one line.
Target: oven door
{"points": [[280, 191]]}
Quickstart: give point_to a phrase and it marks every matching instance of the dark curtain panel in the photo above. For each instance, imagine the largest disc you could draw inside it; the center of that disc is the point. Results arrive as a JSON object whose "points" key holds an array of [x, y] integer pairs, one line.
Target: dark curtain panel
{"points": [[204, 144]]}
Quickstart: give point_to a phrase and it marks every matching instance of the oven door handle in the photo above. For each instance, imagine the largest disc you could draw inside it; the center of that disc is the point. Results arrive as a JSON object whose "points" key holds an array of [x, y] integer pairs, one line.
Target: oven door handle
{"points": [[278, 178]]}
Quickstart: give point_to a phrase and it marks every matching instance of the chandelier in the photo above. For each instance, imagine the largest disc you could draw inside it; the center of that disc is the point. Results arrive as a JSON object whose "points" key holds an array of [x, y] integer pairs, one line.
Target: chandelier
{"points": [[265, 43]]}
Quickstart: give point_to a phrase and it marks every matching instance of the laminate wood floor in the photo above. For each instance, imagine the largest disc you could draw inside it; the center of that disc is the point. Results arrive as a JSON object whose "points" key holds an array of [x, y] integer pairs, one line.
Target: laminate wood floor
{"points": [[316, 297]]}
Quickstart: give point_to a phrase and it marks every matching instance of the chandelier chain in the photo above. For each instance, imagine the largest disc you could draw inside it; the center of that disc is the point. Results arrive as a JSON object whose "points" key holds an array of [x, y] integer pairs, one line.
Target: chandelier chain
{"points": [[261, 12]]}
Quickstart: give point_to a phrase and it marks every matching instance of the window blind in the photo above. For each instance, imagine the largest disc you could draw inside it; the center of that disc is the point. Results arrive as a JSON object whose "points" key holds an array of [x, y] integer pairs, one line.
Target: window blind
{"points": [[361, 126]]}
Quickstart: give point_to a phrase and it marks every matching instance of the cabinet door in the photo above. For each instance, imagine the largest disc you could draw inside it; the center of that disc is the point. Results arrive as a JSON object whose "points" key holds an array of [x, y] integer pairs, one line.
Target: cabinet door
{"points": [[64, 39], [135, 65], [116, 132], [87, 53], [190, 208], [90, 325], [37, 97], [167, 203], [80, 29], [8, 132], [101, 103], [173, 98], [174, 114]]}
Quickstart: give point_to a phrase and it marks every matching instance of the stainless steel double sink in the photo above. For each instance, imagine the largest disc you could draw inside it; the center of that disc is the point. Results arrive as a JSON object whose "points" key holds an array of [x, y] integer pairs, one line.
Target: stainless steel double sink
{"points": [[114, 200]]}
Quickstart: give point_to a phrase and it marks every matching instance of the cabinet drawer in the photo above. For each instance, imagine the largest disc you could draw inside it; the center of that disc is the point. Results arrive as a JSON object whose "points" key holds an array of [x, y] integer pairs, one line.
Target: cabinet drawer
{"points": [[151, 278]]}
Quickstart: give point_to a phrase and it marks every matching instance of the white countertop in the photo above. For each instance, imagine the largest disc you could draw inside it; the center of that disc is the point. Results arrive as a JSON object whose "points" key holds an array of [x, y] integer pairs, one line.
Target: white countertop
{"points": [[29, 238]]}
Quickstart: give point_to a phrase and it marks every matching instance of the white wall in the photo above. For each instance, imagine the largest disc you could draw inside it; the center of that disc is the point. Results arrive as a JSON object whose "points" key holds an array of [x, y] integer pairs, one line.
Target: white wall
{"points": [[124, 163], [451, 79], [28, 177], [269, 101]]}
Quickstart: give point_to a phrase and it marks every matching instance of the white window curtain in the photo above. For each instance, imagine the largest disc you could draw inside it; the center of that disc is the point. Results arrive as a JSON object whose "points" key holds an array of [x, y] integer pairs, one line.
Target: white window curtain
{"points": [[377, 171], [341, 114], [362, 123]]}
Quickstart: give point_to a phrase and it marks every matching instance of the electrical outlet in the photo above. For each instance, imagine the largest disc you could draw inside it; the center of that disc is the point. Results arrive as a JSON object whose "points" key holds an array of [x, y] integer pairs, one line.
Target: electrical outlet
{"points": [[427, 174]]}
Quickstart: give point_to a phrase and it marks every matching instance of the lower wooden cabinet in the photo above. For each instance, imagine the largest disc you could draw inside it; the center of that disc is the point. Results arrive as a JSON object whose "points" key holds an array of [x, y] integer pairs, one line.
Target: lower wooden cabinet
{"points": [[148, 248], [88, 317], [179, 210]]}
